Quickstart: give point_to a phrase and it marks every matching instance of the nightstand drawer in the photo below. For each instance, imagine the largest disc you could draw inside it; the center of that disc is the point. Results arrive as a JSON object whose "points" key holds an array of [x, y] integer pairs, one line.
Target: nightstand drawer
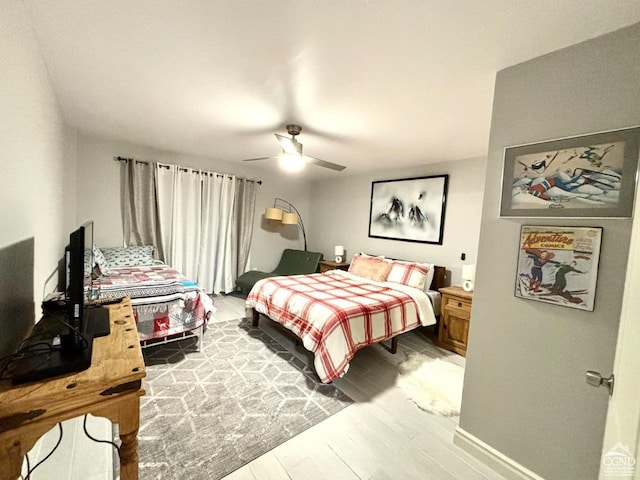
{"points": [[452, 302]]}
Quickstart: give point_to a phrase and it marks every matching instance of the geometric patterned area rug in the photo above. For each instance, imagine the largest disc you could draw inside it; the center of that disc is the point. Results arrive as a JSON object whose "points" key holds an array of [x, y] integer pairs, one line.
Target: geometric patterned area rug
{"points": [[208, 413]]}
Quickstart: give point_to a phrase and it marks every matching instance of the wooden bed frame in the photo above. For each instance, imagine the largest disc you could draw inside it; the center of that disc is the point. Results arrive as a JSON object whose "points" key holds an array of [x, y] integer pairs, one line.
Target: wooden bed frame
{"points": [[439, 277]]}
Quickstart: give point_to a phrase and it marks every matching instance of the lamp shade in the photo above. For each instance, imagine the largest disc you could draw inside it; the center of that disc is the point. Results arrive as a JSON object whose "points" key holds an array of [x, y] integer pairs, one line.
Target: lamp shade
{"points": [[469, 272], [272, 213], [338, 250], [290, 218]]}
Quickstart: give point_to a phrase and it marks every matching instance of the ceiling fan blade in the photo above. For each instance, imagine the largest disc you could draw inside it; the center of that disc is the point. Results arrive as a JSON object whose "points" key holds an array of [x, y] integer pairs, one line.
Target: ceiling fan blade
{"points": [[289, 145], [261, 158], [324, 163]]}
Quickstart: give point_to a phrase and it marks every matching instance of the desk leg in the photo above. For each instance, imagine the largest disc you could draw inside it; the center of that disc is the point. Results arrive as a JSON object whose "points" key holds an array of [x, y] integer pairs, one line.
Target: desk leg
{"points": [[128, 424], [12, 455]]}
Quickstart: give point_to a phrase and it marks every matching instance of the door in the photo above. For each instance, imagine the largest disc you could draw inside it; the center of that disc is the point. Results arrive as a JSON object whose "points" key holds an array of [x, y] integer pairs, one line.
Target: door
{"points": [[621, 444]]}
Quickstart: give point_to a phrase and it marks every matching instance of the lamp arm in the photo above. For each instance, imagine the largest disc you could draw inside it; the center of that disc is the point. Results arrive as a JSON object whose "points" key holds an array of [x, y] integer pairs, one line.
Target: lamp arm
{"points": [[290, 205]]}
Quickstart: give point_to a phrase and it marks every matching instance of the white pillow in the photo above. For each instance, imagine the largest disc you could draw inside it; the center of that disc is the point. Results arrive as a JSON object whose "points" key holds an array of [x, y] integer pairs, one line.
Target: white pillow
{"points": [[412, 274]]}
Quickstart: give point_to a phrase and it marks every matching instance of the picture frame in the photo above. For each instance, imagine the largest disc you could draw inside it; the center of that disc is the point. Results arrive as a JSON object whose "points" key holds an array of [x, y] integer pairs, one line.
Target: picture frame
{"points": [[559, 265], [409, 209], [585, 176]]}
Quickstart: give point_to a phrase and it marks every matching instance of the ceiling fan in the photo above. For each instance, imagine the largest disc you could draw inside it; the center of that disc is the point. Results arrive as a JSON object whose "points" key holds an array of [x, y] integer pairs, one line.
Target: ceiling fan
{"points": [[292, 150]]}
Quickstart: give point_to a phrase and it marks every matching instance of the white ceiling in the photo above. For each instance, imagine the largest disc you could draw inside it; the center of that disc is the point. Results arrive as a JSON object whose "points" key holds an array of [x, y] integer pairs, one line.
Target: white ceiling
{"points": [[373, 82]]}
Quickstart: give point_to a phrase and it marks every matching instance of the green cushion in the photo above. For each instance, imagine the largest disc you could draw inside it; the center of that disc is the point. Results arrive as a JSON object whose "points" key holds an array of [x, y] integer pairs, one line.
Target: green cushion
{"points": [[292, 262], [247, 280]]}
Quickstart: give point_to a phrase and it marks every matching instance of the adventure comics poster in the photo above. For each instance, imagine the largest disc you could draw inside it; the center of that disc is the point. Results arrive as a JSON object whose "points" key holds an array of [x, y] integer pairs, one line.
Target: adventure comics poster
{"points": [[559, 265]]}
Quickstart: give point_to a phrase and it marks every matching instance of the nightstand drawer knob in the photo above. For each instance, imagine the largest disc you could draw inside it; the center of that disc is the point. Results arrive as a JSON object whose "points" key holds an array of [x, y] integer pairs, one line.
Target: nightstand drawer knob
{"points": [[459, 304]]}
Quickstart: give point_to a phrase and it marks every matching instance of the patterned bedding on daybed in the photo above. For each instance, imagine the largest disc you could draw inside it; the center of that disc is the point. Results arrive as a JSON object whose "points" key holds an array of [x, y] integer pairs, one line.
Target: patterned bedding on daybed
{"points": [[165, 302], [336, 313]]}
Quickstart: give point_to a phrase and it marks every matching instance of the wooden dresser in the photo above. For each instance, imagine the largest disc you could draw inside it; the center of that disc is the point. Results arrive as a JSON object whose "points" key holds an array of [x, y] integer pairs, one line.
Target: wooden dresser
{"points": [[326, 265], [455, 315]]}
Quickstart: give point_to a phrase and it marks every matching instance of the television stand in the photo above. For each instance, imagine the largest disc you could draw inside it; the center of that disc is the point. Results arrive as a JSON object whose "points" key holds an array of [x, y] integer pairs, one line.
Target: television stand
{"points": [[111, 387], [63, 356]]}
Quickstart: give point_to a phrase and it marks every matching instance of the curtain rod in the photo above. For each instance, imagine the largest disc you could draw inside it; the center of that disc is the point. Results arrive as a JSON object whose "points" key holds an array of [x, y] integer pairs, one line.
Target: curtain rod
{"points": [[182, 169]]}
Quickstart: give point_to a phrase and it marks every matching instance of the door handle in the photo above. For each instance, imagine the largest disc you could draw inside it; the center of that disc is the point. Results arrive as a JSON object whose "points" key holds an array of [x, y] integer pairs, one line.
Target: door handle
{"points": [[595, 380]]}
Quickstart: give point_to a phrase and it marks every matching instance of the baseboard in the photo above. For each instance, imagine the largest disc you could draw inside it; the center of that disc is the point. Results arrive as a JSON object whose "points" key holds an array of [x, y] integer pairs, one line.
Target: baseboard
{"points": [[505, 466]]}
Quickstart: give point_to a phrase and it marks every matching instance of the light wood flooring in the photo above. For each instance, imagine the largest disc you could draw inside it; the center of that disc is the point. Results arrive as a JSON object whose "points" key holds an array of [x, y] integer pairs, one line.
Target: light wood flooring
{"points": [[383, 435]]}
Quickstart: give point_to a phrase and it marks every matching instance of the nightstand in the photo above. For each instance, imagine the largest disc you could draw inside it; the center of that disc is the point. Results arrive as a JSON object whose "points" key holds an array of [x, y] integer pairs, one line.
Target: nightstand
{"points": [[326, 265], [455, 316]]}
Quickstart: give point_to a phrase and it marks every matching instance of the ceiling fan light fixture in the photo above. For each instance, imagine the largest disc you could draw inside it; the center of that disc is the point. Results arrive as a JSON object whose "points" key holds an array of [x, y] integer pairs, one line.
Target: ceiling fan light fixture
{"points": [[291, 158], [291, 163], [289, 145]]}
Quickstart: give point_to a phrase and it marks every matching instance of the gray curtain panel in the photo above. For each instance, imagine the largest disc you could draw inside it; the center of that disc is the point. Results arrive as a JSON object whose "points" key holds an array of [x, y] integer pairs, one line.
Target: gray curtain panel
{"points": [[140, 221]]}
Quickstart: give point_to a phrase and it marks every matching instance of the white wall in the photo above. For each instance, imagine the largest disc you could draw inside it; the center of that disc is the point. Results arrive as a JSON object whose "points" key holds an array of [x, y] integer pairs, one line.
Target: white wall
{"points": [[35, 181], [525, 393], [99, 193], [340, 215]]}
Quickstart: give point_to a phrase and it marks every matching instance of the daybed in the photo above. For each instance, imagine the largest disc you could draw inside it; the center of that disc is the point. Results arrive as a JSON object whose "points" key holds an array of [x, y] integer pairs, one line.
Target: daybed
{"points": [[336, 313], [292, 262], [166, 304]]}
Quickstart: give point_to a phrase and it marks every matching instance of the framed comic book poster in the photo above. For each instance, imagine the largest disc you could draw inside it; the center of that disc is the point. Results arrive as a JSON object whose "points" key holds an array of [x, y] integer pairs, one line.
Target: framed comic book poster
{"points": [[559, 265]]}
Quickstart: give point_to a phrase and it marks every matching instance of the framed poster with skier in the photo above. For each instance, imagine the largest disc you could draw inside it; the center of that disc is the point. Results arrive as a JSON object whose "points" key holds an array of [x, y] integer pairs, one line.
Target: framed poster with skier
{"points": [[559, 265], [586, 176], [409, 209]]}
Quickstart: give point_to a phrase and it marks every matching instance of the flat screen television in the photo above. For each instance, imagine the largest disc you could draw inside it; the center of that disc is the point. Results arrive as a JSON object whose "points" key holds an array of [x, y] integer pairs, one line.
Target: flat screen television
{"points": [[64, 336]]}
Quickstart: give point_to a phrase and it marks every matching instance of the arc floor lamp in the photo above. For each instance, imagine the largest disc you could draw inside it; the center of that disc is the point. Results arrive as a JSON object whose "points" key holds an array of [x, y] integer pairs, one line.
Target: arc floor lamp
{"points": [[287, 215]]}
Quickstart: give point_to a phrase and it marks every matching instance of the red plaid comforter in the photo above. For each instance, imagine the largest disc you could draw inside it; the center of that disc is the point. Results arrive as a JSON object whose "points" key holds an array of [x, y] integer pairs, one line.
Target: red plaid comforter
{"points": [[337, 313]]}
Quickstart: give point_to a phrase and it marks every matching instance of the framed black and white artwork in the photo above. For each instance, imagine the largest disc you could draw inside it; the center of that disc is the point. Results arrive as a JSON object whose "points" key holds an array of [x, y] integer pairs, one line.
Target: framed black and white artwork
{"points": [[409, 209]]}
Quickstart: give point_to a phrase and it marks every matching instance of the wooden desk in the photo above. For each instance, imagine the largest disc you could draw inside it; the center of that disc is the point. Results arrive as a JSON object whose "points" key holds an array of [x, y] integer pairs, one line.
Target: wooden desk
{"points": [[110, 388]]}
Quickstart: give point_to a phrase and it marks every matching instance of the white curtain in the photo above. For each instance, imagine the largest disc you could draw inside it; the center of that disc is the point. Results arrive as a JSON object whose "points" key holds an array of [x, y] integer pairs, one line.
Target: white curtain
{"points": [[186, 221], [201, 223], [206, 222], [217, 268]]}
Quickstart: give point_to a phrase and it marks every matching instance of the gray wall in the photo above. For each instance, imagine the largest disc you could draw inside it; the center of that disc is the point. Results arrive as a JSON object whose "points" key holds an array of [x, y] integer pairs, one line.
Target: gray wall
{"points": [[340, 215], [525, 392], [37, 185], [99, 193]]}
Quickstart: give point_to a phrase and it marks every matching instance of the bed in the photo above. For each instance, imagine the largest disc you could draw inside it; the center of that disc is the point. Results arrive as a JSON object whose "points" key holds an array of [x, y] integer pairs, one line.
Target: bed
{"points": [[166, 304], [336, 313]]}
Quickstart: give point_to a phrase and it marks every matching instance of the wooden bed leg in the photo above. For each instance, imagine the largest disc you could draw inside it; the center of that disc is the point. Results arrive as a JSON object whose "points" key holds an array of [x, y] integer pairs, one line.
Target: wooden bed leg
{"points": [[255, 318], [394, 345]]}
